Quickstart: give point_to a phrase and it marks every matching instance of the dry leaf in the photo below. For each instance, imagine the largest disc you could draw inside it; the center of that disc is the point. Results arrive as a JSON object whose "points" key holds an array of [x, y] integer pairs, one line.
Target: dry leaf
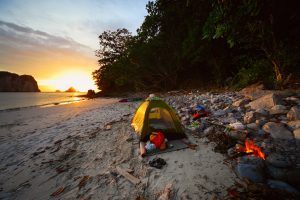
{"points": [[83, 181], [58, 191]]}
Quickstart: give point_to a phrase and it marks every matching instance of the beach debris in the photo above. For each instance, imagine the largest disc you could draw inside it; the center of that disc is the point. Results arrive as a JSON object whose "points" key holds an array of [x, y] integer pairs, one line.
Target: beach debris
{"points": [[108, 127], [233, 193], [166, 193], [142, 149], [83, 181], [38, 152], [61, 169], [128, 176], [59, 190], [157, 163], [140, 198]]}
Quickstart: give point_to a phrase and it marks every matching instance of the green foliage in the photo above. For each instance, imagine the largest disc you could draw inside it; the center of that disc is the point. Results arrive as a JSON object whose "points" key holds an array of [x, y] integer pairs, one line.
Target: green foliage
{"points": [[189, 43], [253, 71]]}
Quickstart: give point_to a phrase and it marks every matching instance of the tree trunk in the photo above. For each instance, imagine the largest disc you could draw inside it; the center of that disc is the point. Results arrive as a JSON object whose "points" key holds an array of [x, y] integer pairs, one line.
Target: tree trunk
{"points": [[277, 71]]}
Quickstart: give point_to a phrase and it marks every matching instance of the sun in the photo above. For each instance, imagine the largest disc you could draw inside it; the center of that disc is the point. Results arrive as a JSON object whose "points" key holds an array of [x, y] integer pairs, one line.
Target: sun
{"points": [[80, 80]]}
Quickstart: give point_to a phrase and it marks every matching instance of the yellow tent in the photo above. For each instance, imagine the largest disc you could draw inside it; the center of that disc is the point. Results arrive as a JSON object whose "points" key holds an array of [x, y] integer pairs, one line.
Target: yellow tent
{"points": [[156, 115]]}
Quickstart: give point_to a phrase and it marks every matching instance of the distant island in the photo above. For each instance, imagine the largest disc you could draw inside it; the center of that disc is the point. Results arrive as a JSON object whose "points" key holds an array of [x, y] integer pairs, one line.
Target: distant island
{"points": [[71, 89], [11, 82]]}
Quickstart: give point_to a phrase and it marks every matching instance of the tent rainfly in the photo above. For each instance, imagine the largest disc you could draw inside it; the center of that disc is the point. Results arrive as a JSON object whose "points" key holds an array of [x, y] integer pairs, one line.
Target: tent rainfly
{"points": [[156, 115]]}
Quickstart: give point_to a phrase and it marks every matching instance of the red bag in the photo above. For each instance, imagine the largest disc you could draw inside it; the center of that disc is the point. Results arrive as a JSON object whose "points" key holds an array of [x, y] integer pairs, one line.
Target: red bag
{"points": [[157, 138]]}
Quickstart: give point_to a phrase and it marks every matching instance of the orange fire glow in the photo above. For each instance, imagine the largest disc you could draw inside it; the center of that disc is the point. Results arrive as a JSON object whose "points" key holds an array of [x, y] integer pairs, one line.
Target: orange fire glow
{"points": [[252, 149]]}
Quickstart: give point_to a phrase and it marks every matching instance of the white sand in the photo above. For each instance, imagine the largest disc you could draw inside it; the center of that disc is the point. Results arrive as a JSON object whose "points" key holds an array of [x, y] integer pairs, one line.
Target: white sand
{"points": [[42, 149]]}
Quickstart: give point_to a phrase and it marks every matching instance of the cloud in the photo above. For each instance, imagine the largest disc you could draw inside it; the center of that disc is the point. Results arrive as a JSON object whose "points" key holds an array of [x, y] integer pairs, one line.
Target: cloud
{"points": [[16, 35], [26, 49]]}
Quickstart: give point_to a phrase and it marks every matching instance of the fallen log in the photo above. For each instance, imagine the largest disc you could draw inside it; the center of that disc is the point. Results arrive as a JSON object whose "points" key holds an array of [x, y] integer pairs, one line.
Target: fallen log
{"points": [[128, 176]]}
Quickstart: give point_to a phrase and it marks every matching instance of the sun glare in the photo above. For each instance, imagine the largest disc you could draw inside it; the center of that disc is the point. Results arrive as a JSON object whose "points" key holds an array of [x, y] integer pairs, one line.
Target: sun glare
{"points": [[81, 81]]}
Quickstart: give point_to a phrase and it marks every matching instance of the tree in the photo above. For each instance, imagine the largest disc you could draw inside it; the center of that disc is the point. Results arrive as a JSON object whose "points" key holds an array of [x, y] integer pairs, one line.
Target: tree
{"points": [[113, 46], [255, 27]]}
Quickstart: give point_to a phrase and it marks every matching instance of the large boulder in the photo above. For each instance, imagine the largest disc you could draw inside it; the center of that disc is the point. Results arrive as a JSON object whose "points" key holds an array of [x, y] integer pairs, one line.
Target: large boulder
{"points": [[254, 91], [252, 172], [278, 109], [294, 113], [277, 131], [267, 101]]}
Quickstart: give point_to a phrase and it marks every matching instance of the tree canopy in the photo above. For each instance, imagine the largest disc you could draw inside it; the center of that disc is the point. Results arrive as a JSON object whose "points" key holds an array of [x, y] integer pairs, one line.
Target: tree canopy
{"points": [[200, 43]]}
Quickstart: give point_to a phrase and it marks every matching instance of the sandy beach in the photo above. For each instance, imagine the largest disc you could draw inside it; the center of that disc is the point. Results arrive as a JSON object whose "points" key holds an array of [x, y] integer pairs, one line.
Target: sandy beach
{"points": [[72, 152]]}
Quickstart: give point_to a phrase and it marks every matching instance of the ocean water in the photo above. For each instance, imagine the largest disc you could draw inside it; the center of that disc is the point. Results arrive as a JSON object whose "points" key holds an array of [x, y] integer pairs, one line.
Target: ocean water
{"points": [[16, 100]]}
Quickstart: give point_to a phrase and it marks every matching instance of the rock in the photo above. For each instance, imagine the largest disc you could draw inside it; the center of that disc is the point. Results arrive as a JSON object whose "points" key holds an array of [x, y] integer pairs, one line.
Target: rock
{"points": [[254, 91], [251, 172], [10, 82], [294, 99], [241, 102], [237, 126], [277, 131], [293, 176], [237, 135], [267, 101], [219, 113], [278, 109], [262, 111], [294, 124], [260, 122], [282, 186], [208, 130], [249, 117], [261, 133], [297, 134], [228, 109], [294, 113], [277, 173], [231, 152], [253, 160], [279, 160], [252, 126]]}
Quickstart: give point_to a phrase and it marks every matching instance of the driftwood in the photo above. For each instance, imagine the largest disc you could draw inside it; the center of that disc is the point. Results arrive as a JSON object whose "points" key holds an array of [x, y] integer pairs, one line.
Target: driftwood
{"points": [[142, 149], [166, 193], [128, 176]]}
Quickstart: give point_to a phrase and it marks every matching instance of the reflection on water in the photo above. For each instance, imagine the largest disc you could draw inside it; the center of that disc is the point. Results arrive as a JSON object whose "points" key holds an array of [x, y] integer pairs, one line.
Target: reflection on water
{"points": [[12, 100]]}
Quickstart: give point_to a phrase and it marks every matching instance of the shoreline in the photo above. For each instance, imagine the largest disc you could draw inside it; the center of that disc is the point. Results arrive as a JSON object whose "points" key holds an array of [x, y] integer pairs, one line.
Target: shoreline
{"points": [[72, 99], [43, 105]]}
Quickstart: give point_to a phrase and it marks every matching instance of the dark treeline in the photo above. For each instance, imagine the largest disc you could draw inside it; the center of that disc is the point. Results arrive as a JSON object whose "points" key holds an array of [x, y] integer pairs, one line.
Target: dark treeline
{"points": [[203, 43]]}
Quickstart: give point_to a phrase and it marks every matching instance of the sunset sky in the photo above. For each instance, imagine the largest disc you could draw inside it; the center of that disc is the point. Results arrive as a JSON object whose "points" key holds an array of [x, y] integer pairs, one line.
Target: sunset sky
{"points": [[55, 40]]}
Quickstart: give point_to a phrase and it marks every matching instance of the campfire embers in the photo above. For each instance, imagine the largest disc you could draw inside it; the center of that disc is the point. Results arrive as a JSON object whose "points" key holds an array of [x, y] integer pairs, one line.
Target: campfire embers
{"points": [[251, 149]]}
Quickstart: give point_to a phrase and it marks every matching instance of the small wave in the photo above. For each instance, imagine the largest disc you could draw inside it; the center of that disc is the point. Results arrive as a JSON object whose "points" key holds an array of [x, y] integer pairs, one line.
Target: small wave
{"points": [[43, 105]]}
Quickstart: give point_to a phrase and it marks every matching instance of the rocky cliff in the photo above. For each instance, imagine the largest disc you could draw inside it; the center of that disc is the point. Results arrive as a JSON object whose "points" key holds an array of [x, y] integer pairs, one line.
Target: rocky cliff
{"points": [[10, 82]]}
